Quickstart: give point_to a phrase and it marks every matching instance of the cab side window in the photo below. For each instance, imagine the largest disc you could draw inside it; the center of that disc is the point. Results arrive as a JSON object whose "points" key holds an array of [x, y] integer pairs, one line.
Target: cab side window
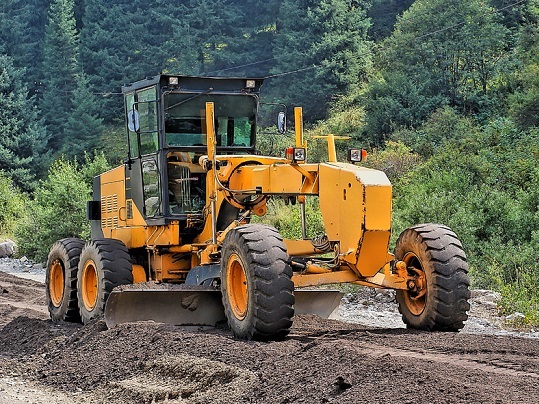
{"points": [[132, 135], [147, 109], [144, 103], [150, 180]]}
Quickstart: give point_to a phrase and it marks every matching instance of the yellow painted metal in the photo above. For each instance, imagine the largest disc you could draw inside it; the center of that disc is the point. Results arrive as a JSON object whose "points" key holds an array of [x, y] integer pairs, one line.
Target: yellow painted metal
{"points": [[231, 164], [137, 219], [353, 203], [417, 301], [112, 199], [277, 179], [211, 178], [207, 256], [114, 220], [168, 268], [298, 127], [207, 233], [56, 283], [387, 279], [142, 236], [384, 281], [210, 130], [370, 253], [113, 175], [332, 153], [343, 276], [185, 248], [132, 237], [207, 252], [236, 286], [139, 274], [89, 285], [299, 247]]}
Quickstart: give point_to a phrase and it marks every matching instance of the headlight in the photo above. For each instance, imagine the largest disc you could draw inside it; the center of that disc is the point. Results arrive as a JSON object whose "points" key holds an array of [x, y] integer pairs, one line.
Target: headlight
{"points": [[357, 155], [295, 154]]}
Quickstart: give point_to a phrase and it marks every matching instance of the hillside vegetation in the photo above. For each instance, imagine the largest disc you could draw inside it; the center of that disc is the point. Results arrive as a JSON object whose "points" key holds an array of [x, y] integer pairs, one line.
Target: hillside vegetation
{"points": [[446, 100]]}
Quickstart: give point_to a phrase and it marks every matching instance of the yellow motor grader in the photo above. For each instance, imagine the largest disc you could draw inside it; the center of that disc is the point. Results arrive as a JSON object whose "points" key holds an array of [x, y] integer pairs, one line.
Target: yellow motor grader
{"points": [[172, 238]]}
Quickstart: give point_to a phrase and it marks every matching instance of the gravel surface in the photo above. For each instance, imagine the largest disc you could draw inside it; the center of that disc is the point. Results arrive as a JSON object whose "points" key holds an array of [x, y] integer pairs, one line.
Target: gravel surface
{"points": [[367, 356]]}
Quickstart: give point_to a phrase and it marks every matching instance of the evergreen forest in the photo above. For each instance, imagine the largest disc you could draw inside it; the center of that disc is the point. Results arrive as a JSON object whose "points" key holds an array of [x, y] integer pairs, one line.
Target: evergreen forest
{"points": [[443, 95]]}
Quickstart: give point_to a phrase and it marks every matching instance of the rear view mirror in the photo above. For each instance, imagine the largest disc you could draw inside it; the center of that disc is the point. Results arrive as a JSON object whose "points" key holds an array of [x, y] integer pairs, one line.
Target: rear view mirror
{"points": [[281, 123], [133, 122]]}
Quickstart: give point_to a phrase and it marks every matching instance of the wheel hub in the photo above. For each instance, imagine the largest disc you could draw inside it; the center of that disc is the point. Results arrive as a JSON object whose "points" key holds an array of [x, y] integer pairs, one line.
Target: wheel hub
{"points": [[89, 285], [236, 286], [56, 283], [415, 297]]}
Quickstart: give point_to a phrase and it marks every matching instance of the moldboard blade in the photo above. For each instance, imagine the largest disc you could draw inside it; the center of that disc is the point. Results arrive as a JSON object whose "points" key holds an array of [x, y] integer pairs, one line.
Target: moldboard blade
{"points": [[322, 302], [191, 306]]}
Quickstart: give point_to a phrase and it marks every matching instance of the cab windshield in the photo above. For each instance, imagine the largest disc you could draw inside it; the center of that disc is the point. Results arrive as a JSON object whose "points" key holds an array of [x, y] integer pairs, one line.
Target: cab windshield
{"points": [[185, 119]]}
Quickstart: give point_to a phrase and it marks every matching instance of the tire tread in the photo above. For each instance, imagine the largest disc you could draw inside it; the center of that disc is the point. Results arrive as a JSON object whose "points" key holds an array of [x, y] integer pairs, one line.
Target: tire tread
{"points": [[273, 288], [67, 250], [449, 278], [114, 268]]}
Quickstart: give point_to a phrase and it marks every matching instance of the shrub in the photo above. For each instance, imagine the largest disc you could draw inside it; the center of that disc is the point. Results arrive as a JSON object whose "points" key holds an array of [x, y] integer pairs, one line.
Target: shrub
{"points": [[286, 218], [395, 159], [58, 209], [12, 206]]}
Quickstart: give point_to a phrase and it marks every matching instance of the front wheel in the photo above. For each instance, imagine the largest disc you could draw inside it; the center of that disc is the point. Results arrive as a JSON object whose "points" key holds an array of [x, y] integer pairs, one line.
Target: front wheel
{"points": [[256, 283], [104, 264], [61, 279], [437, 295]]}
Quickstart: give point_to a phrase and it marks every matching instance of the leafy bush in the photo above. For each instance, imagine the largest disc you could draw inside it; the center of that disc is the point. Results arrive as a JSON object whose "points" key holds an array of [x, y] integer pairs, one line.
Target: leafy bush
{"points": [[395, 159], [511, 268], [287, 218], [484, 185], [58, 209], [12, 206]]}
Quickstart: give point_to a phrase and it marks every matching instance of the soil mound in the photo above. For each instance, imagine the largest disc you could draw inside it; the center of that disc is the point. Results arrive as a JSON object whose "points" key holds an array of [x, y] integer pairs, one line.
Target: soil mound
{"points": [[322, 361]]}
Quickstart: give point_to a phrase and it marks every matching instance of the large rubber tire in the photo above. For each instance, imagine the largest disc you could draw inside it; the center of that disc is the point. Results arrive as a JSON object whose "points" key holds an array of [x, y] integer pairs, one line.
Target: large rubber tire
{"points": [[104, 264], [434, 254], [61, 280], [256, 283]]}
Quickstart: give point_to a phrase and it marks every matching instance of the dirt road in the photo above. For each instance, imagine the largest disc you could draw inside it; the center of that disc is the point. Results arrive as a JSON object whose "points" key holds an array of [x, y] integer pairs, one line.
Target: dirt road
{"points": [[323, 361]]}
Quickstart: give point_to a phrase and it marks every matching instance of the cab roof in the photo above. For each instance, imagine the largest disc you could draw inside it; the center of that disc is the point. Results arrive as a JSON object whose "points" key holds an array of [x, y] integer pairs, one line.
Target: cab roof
{"points": [[197, 84]]}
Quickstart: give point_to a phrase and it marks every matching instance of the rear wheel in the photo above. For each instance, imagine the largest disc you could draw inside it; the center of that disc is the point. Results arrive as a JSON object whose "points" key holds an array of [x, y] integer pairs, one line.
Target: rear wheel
{"points": [[437, 297], [61, 279], [104, 264], [256, 283]]}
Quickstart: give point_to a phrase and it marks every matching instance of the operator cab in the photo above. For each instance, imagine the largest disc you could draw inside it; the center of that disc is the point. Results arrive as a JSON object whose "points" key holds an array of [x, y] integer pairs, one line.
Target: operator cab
{"points": [[166, 130]]}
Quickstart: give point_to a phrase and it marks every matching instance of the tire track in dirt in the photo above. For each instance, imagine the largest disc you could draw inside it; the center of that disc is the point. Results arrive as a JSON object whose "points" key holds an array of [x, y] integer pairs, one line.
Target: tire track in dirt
{"points": [[320, 361], [19, 297], [24, 307], [499, 363], [504, 368]]}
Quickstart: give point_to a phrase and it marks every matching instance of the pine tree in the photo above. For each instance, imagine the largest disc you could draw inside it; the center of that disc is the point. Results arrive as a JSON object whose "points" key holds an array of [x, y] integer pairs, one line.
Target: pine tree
{"points": [[246, 38], [60, 69], [22, 29], [83, 126], [325, 43], [125, 41], [383, 14], [23, 138]]}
